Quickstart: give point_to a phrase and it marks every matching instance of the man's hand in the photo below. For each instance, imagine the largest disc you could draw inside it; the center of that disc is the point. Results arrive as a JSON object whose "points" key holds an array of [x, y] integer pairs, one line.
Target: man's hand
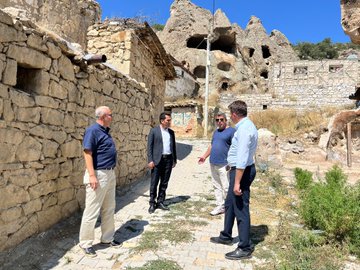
{"points": [[201, 160], [151, 165], [93, 182], [237, 190], [174, 164]]}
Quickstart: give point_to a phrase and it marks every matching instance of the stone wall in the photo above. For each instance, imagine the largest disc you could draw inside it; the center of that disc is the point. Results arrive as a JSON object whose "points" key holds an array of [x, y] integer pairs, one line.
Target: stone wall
{"points": [[130, 53], [46, 102], [305, 85], [69, 19], [184, 85]]}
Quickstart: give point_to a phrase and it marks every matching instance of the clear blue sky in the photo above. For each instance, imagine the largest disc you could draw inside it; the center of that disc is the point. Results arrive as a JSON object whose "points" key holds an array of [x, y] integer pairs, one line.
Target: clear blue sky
{"points": [[299, 20]]}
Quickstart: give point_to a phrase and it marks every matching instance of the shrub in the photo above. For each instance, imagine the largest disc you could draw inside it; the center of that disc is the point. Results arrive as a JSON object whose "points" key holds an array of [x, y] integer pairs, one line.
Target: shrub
{"points": [[309, 251], [303, 178], [334, 208]]}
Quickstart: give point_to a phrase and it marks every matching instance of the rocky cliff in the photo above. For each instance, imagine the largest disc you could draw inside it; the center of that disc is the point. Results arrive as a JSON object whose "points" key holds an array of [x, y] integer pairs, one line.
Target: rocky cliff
{"points": [[240, 59]]}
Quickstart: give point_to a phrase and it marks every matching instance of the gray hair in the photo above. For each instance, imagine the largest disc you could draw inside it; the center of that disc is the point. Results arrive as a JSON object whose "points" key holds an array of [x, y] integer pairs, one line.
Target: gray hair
{"points": [[100, 111], [221, 114]]}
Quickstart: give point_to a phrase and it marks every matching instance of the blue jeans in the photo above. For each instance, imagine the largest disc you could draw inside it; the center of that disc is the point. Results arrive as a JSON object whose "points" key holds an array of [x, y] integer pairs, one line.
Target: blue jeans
{"points": [[238, 207]]}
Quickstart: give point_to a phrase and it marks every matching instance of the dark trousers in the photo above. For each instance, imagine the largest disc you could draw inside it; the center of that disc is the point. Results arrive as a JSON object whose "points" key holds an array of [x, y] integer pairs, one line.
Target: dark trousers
{"points": [[161, 172], [238, 207]]}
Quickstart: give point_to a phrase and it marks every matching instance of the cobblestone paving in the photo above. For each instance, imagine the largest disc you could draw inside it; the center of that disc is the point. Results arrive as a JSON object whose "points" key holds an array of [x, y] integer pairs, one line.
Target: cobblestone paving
{"points": [[58, 247]]}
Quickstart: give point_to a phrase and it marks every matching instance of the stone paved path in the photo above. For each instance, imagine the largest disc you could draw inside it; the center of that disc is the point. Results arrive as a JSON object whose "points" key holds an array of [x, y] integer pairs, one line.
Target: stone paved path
{"points": [[58, 248]]}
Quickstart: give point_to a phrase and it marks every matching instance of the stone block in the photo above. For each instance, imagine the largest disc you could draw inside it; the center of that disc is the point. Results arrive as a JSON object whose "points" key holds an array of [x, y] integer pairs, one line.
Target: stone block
{"points": [[9, 75], [11, 214], [50, 148], [7, 153], [29, 150], [5, 18], [52, 117], [29, 58], [9, 34], [71, 149], [80, 197], [66, 68], [64, 183], [32, 206], [54, 51], [4, 93], [56, 90], [42, 189], [50, 172], [12, 226], [12, 136], [41, 82], [21, 177], [45, 101], [65, 195], [29, 228], [69, 208], [49, 217], [12, 195], [66, 168], [36, 42], [49, 200], [28, 115], [21, 99]]}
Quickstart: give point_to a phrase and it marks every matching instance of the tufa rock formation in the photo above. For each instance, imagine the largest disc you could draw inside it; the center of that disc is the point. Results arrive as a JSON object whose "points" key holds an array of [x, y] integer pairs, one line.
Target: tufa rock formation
{"points": [[240, 60], [350, 19]]}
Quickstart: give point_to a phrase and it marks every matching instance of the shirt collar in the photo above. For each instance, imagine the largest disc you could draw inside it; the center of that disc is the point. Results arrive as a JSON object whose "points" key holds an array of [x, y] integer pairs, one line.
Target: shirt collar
{"points": [[242, 121]]}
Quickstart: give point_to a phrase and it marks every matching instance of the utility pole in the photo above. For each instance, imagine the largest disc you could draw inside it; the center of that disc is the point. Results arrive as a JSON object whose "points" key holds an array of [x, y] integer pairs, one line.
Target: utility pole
{"points": [[207, 71]]}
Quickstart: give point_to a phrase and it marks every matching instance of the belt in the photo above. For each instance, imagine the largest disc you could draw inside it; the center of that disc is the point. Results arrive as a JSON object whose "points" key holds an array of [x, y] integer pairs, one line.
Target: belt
{"points": [[166, 156], [234, 167], [107, 169]]}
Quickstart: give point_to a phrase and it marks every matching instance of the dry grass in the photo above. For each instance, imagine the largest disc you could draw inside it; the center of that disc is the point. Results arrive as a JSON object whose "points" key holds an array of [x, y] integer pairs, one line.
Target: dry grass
{"points": [[285, 122]]}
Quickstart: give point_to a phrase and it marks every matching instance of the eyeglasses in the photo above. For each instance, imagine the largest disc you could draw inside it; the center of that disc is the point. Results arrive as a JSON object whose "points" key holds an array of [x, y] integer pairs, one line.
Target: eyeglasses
{"points": [[220, 119], [110, 114]]}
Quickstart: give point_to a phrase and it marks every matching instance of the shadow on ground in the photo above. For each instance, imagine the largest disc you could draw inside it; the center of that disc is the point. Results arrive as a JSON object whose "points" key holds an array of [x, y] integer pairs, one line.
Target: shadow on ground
{"points": [[175, 200], [44, 251], [183, 150], [258, 233]]}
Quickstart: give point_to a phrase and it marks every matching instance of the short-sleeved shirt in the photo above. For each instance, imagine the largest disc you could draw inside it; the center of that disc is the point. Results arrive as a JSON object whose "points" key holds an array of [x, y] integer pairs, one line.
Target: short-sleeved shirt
{"points": [[98, 140], [220, 145]]}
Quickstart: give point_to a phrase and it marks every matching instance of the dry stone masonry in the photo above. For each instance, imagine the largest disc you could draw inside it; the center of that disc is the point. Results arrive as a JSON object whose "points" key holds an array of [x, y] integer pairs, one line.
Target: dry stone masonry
{"points": [[69, 19], [46, 102], [135, 50]]}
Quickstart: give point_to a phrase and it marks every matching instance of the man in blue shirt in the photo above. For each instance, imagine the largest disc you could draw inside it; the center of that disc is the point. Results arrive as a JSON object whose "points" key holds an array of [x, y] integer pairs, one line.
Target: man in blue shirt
{"points": [[100, 181], [242, 173], [218, 151]]}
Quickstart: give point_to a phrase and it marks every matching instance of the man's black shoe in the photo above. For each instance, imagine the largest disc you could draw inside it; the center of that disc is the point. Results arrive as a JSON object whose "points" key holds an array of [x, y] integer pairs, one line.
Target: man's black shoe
{"points": [[113, 243], [218, 240], [162, 207], [90, 251], [151, 209], [238, 254]]}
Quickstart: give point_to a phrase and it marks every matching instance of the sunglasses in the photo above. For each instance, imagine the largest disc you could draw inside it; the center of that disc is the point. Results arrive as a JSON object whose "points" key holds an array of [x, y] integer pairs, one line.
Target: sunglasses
{"points": [[220, 119]]}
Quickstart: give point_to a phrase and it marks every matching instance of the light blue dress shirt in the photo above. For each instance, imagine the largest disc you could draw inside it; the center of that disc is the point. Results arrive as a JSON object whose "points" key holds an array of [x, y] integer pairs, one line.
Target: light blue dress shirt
{"points": [[243, 144]]}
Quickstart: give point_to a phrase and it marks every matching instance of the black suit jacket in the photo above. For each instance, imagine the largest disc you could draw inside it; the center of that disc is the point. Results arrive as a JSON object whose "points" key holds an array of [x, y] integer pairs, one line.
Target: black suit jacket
{"points": [[155, 145]]}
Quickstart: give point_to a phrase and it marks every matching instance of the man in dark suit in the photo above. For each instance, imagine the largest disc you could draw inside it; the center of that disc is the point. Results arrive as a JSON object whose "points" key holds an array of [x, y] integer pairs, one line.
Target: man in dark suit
{"points": [[161, 150]]}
